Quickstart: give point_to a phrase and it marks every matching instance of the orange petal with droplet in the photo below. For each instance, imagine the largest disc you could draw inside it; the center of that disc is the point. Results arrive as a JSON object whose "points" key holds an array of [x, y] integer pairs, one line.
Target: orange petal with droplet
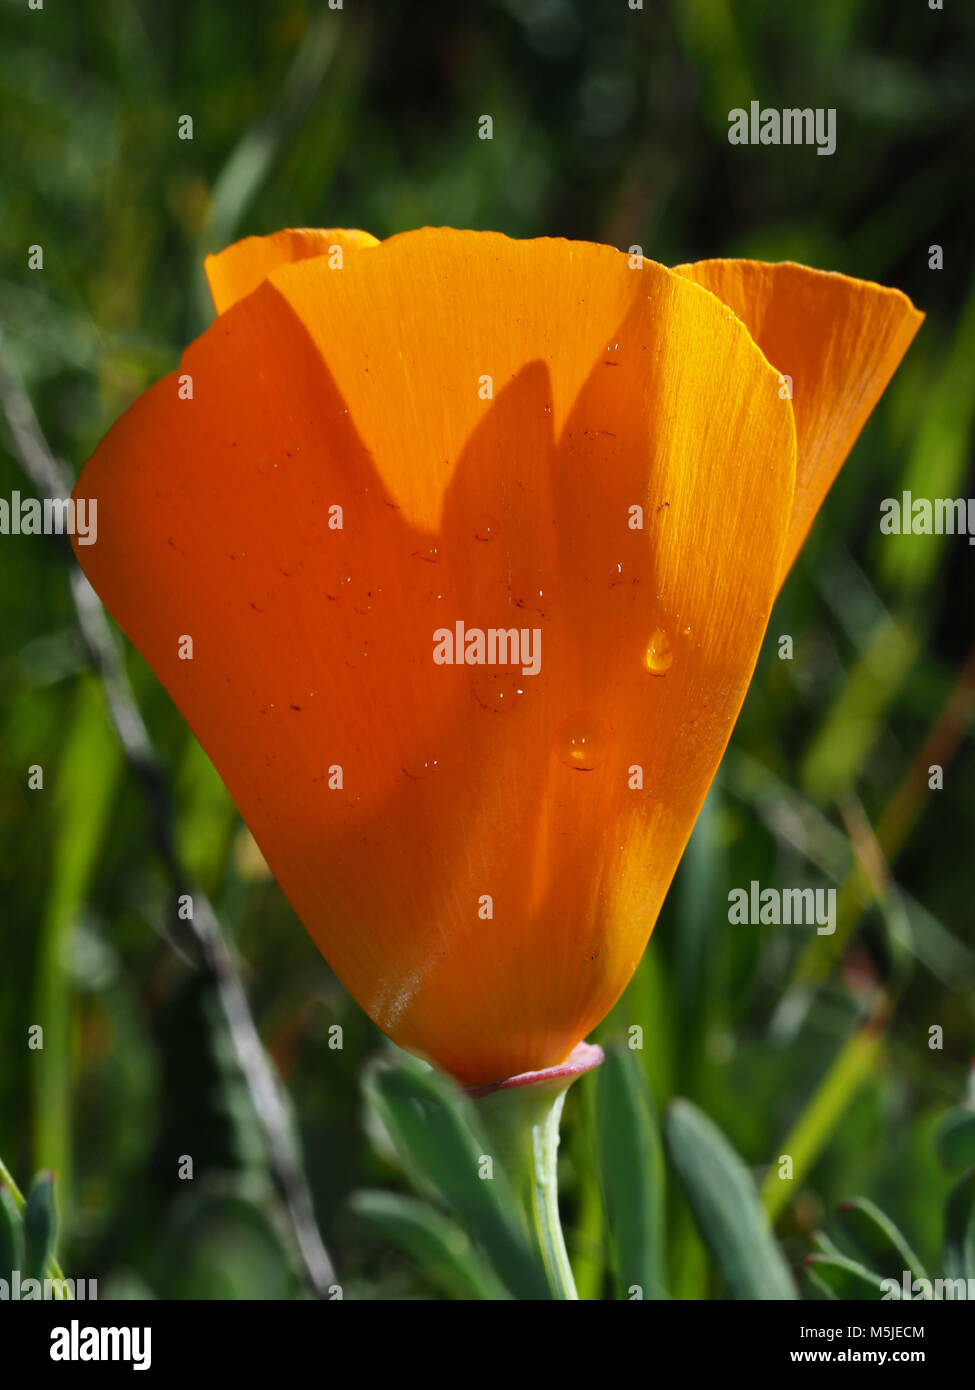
{"points": [[457, 427]]}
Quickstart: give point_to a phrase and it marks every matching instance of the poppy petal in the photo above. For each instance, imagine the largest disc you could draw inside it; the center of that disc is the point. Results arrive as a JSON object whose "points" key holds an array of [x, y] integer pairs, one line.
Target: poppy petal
{"points": [[479, 850], [240, 268], [840, 341]]}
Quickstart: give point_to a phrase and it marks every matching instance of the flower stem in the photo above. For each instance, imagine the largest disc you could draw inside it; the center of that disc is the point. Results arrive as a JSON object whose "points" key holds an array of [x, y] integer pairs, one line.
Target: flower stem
{"points": [[521, 1116]]}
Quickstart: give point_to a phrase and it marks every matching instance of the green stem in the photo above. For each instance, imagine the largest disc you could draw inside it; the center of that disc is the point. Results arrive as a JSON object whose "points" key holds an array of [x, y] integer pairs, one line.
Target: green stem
{"points": [[521, 1117]]}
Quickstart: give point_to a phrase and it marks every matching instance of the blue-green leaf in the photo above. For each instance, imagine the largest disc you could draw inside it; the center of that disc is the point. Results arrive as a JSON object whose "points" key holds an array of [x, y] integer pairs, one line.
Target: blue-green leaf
{"points": [[11, 1234], [726, 1207], [960, 1230], [40, 1226], [631, 1163], [955, 1138], [823, 1244], [839, 1277], [879, 1238], [440, 1141], [437, 1244]]}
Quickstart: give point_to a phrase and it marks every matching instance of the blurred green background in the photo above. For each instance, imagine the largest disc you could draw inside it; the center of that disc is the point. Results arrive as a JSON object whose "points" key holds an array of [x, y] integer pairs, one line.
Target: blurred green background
{"points": [[610, 125]]}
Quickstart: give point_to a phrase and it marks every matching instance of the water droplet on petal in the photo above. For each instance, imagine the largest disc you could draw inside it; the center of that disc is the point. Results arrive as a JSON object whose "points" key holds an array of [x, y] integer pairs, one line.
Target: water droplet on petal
{"points": [[338, 584], [487, 530], [417, 768], [581, 741], [498, 691], [660, 654], [430, 553], [534, 590], [621, 573], [357, 655], [365, 598]]}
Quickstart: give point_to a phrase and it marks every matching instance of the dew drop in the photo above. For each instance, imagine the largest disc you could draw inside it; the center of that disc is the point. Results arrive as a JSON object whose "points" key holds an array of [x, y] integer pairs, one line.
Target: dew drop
{"points": [[429, 553], [487, 530], [660, 654], [416, 769], [357, 655], [581, 741], [533, 589], [622, 574], [338, 585], [497, 691], [365, 599]]}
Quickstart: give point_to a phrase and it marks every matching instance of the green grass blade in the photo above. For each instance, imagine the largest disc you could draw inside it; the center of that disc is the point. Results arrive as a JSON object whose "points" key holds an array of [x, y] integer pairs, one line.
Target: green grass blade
{"points": [[853, 1066], [84, 784]]}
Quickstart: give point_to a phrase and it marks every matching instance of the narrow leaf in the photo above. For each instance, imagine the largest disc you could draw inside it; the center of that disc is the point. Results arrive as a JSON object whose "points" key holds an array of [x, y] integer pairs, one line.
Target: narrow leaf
{"points": [[879, 1238], [839, 1277], [436, 1132], [432, 1240], [11, 1234], [40, 1226], [726, 1207], [955, 1138], [960, 1230], [631, 1162], [822, 1244]]}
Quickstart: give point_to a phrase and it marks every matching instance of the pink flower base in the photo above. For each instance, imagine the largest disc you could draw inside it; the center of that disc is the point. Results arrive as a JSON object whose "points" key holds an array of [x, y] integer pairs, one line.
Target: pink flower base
{"points": [[583, 1057]]}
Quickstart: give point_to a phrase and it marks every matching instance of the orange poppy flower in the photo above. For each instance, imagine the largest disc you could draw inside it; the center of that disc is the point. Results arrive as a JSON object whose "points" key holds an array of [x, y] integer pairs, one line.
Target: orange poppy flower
{"points": [[476, 542]]}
